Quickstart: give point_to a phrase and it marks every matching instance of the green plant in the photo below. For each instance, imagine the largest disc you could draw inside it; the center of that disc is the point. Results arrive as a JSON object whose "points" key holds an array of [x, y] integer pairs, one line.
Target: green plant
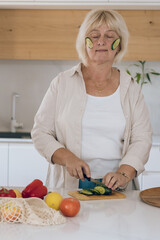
{"points": [[143, 76]]}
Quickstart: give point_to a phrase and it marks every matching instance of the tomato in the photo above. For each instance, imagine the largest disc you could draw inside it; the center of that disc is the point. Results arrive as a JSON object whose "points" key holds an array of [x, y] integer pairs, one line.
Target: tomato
{"points": [[70, 207]]}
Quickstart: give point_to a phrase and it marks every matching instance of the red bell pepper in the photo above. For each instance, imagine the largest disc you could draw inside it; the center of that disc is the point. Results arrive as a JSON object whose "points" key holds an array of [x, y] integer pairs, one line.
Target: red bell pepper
{"points": [[33, 185], [35, 189], [24, 194], [7, 193], [39, 192]]}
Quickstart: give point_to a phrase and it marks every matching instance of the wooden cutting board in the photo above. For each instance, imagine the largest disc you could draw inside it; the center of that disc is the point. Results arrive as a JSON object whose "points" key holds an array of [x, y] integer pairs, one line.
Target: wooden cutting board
{"points": [[151, 196], [114, 195]]}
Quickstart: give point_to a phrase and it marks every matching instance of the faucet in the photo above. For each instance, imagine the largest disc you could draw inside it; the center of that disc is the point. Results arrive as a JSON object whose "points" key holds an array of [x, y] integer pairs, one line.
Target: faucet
{"points": [[14, 123]]}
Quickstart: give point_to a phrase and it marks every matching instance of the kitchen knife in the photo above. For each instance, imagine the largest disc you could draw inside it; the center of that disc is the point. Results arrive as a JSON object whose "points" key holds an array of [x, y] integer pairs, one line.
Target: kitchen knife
{"points": [[94, 180]]}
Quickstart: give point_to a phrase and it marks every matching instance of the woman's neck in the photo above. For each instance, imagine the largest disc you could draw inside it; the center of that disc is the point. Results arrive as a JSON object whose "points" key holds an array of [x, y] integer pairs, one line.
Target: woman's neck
{"points": [[100, 80], [98, 73]]}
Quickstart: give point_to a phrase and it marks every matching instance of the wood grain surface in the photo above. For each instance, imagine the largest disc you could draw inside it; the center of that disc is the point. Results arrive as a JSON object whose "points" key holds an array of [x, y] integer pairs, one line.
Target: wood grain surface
{"points": [[151, 196], [51, 34], [114, 195]]}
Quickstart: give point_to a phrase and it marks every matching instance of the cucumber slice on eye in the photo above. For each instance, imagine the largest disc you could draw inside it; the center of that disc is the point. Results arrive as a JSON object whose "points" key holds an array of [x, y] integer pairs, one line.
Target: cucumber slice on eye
{"points": [[89, 42], [115, 44]]}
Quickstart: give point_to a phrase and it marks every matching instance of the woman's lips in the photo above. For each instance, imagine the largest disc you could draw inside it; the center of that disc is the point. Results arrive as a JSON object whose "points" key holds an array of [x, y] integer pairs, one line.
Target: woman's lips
{"points": [[101, 50]]}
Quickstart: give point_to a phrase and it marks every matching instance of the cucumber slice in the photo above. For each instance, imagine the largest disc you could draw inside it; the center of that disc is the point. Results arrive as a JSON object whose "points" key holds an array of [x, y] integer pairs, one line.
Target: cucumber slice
{"points": [[89, 42], [86, 192], [115, 44], [100, 189], [94, 191], [108, 191]]}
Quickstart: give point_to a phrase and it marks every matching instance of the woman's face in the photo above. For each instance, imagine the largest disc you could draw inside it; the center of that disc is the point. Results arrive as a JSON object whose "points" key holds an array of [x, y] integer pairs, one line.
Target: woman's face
{"points": [[102, 39]]}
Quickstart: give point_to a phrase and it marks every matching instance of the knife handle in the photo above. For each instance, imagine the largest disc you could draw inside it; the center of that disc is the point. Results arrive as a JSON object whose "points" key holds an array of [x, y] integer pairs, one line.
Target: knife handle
{"points": [[88, 178]]}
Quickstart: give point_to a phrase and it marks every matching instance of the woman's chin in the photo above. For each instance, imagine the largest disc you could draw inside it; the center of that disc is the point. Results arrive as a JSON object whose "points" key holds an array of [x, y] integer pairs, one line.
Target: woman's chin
{"points": [[101, 61]]}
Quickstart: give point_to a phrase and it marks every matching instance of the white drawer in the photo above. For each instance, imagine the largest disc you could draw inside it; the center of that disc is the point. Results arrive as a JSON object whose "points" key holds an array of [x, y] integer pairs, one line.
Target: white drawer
{"points": [[153, 163], [150, 180]]}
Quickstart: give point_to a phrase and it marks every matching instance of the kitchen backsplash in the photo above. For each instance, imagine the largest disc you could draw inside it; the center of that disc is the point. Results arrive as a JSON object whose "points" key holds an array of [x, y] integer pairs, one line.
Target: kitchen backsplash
{"points": [[31, 79]]}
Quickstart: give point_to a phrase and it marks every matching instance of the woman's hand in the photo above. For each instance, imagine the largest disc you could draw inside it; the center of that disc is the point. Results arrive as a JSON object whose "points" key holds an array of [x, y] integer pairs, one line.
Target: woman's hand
{"points": [[76, 167], [114, 180], [120, 178]]}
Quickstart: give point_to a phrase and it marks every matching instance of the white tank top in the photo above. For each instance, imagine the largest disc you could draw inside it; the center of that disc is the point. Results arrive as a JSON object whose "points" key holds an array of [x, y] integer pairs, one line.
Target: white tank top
{"points": [[103, 127]]}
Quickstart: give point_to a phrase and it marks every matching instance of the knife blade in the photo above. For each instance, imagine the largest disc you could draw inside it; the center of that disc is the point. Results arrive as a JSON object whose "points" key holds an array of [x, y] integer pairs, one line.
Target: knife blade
{"points": [[94, 180]]}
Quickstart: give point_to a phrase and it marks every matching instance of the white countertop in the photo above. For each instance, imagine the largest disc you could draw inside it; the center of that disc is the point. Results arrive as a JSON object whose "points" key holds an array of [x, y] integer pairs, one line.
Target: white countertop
{"points": [[155, 140], [116, 219], [15, 140]]}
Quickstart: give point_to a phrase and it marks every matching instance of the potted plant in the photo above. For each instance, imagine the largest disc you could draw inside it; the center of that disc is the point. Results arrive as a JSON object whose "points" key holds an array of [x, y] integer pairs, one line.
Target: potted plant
{"points": [[143, 75]]}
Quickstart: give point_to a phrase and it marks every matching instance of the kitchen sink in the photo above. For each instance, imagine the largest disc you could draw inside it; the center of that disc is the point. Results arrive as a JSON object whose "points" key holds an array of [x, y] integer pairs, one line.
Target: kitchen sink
{"points": [[15, 135]]}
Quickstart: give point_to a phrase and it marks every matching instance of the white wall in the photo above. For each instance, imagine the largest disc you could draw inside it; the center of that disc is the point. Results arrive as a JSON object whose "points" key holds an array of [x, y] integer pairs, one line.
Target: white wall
{"points": [[31, 79], [151, 92]]}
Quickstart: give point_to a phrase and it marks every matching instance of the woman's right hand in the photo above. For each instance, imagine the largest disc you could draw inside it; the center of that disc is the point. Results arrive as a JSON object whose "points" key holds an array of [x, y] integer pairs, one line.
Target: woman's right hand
{"points": [[74, 165]]}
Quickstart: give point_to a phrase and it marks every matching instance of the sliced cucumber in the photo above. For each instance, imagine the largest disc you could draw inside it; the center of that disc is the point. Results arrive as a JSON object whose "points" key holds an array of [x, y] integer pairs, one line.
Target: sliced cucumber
{"points": [[89, 42], [94, 191], [108, 191], [115, 44], [86, 192], [100, 189]]}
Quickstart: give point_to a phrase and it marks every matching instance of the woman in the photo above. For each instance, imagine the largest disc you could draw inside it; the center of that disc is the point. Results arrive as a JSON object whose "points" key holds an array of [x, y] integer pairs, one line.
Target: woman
{"points": [[93, 119]]}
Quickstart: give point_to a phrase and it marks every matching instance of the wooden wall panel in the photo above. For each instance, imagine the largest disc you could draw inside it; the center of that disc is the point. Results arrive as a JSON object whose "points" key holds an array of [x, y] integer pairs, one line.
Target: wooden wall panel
{"points": [[51, 34], [144, 29]]}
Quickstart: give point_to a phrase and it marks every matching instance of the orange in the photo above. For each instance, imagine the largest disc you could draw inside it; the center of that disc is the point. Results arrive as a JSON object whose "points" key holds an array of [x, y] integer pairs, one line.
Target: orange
{"points": [[11, 212], [18, 193], [53, 200]]}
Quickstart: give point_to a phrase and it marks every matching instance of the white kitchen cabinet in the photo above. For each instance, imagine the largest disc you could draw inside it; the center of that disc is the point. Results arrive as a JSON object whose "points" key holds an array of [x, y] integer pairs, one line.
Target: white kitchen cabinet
{"points": [[150, 180], [135, 1], [25, 164], [3, 164], [81, 4], [151, 176], [153, 163]]}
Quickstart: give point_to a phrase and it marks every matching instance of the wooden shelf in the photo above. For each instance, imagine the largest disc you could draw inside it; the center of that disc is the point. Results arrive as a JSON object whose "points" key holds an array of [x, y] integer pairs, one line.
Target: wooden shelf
{"points": [[51, 34]]}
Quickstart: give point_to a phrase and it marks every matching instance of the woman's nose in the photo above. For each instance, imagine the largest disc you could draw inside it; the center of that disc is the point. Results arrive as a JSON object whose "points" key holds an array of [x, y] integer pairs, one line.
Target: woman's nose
{"points": [[101, 41]]}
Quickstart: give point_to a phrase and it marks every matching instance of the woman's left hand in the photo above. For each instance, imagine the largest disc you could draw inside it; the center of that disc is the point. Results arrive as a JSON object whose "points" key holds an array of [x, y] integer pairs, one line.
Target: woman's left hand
{"points": [[114, 180]]}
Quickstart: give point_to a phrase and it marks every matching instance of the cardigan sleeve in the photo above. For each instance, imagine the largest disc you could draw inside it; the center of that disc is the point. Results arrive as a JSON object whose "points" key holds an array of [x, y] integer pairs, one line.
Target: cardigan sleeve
{"points": [[43, 132], [140, 137]]}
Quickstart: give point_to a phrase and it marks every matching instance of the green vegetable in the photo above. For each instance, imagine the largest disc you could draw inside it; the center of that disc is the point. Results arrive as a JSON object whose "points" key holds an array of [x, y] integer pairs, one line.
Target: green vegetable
{"points": [[89, 42], [98, 190], [108, 191], [94, 191], [86, 192], [115, 44]]}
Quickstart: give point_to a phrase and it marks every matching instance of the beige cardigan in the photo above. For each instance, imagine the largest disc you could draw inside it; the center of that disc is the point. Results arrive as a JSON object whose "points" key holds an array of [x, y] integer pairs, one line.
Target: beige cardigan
{"points": [[58, 123]]}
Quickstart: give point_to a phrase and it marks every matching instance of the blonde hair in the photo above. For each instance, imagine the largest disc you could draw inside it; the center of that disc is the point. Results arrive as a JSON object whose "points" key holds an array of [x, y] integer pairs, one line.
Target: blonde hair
{"points": [[96, 18]]}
